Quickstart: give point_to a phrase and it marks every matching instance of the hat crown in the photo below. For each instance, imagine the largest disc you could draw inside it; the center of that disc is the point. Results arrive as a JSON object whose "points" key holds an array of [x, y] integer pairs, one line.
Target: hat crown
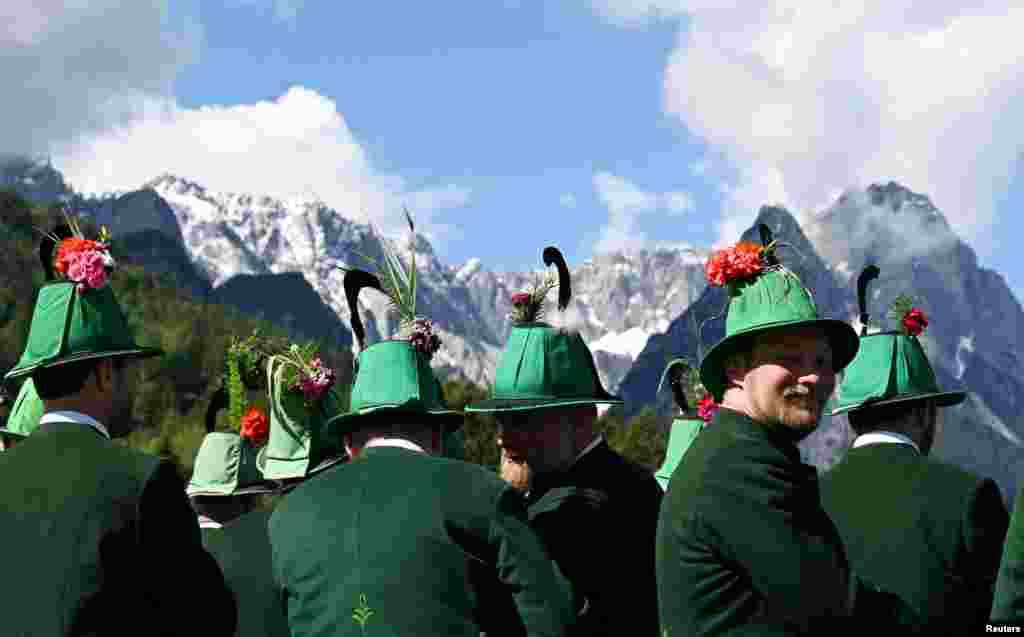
{"points": [[299, 439], [225, 463], [68, 324], [776, 296], [542, 362], [393, 373], [888, 365]]}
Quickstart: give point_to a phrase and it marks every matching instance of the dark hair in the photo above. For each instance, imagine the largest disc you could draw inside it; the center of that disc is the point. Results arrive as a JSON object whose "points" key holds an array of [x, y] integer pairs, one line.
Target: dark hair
{"points": [[67, 379], [869, 419]]}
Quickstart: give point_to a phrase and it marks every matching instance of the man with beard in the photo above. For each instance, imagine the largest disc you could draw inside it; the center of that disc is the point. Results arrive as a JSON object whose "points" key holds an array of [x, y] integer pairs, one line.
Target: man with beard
{"points": [[106, 541], [596, 511], [743, 545], [23, 418], [928, 531]]}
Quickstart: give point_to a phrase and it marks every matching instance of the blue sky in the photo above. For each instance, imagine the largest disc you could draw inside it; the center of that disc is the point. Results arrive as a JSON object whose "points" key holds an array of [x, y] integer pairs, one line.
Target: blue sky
{"points": [[507, 126]]}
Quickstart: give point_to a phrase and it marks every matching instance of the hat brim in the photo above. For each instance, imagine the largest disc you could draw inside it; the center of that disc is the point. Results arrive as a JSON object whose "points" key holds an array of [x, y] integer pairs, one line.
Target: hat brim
{"points": [[343, 423], [498, 405], [942, 399], [300, 473], [140, 352], [250, 490], [841, 336], [326, 464]]}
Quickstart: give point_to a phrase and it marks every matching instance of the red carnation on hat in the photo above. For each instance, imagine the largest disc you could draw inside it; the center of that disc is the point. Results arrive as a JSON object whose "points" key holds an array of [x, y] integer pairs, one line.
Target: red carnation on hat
{"points": [[255, 426], [739, 262], [520, 298], [915, 321], [707, 408]]}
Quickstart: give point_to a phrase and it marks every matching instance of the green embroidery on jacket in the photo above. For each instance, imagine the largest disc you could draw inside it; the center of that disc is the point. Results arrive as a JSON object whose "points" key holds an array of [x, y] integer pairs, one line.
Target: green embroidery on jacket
{"points": [[361, 614]]}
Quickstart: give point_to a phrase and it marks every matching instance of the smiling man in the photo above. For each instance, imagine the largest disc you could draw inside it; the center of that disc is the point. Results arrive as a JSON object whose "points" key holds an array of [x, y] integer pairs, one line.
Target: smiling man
{"points": [[743, 545]]}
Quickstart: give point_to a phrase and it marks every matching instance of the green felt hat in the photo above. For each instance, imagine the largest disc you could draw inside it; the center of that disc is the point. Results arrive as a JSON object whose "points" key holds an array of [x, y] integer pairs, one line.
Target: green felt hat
{"points": [[686, 428], [890, 367], [393, 377], [226, 465], [70, 326], [543, 367], [25, 413], [226, 462], [300, 444], [684, 431], [772, 299]]}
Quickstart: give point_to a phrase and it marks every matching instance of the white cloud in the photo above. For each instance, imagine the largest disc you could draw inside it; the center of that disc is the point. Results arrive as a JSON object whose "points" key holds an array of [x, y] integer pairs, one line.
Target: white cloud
{"points": [[75, 66], [568, 200], [806, 99], [626, 202], [297, 144]]}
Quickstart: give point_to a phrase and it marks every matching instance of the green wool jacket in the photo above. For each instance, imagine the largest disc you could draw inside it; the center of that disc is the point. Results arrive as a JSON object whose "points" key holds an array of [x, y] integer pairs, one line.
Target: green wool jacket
{"points": [[930, 532], [1008, 603], [100, 540], [242, 550], [397, 543], [598, 520], [744, 547]]}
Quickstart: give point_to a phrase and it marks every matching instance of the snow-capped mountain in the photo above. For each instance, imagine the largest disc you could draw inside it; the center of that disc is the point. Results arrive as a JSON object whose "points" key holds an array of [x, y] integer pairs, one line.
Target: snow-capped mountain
{"points": [[619, 300]]}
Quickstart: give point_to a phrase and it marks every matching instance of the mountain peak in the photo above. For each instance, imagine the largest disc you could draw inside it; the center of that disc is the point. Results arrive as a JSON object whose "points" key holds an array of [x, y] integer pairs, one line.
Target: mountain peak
{"points": [[893, 196], [180, 185]]}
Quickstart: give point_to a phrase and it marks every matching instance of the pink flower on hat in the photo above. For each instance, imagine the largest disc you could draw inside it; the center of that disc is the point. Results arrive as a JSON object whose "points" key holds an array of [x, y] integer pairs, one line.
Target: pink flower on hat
{"points": [[87, 268], [707, 408]]}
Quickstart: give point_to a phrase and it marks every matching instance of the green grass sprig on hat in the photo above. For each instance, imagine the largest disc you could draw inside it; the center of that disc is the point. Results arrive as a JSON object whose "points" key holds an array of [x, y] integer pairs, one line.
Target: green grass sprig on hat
{"points": [[245, 359], [530, 306], [399, 285]]}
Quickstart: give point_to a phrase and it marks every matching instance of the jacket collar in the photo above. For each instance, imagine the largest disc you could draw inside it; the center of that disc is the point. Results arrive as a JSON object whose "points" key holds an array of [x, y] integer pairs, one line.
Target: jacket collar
{"points": [[884, 437], [60, 418], [401, 443], [742, 425]]}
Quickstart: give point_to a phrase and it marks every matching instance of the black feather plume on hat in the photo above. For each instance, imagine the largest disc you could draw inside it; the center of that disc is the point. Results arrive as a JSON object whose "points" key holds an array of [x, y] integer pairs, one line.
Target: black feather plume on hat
{"points": [[866, 275], [552, 255], [355, 281]]}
